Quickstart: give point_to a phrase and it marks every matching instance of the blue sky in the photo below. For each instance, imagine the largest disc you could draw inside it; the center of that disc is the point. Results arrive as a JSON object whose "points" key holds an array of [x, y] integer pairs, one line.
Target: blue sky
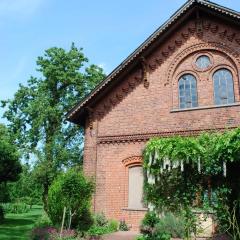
{"points": [[107, 30]]}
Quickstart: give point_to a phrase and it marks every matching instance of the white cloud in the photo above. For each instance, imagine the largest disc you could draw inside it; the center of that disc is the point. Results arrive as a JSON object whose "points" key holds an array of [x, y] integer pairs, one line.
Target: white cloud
{"points": [[104, 67], [19, 7]]}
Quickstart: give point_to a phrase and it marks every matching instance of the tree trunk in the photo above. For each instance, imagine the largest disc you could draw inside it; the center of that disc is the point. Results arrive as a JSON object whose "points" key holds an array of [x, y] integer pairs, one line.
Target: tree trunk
{"points": [[45, 196]]}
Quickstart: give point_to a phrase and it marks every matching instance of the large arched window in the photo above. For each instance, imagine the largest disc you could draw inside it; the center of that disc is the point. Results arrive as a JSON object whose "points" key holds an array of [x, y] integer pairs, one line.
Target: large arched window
{"points": [[223, 87], [187, 87]]}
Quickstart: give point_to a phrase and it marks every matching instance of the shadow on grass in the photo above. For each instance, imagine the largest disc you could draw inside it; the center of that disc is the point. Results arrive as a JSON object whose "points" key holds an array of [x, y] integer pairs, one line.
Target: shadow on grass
{"points": [[14, 234], [19, 226], [17, 222]]}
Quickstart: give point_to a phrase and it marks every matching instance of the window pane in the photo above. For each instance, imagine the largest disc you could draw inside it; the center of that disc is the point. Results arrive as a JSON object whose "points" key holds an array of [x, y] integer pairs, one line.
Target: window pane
{"points": [[135, 187], [187, 91], [203, 62], [223, 87]]}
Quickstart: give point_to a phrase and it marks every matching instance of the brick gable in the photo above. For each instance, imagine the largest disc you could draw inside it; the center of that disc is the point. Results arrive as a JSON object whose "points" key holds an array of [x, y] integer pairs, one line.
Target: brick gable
{"points": [[144, 103]]}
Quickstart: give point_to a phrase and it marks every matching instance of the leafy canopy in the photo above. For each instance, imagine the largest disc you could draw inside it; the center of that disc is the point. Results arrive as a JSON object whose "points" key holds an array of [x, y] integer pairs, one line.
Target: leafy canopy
{"points": [[10, 166], [36, 114]]}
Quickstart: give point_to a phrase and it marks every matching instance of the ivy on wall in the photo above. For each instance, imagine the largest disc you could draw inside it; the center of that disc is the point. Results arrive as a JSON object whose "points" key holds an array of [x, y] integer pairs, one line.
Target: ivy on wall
{"points": [[181, 172]]}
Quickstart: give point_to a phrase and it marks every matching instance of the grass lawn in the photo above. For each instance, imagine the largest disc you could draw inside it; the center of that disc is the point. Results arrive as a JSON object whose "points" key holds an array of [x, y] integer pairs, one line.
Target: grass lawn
{"points": [[18, 226]]}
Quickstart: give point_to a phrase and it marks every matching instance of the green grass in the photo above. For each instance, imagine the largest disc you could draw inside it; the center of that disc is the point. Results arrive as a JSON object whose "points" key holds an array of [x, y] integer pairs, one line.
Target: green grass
{"points": [[19, 226]]}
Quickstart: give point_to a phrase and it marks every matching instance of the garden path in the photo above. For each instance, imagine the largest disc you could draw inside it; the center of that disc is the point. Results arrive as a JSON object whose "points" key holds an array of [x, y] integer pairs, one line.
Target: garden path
{"points": [[121, 236]]}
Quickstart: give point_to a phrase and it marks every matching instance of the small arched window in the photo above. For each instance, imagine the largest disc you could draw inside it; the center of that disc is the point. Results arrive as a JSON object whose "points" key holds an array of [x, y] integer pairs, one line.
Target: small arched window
{"points": [[135, 187], [223, 87], [187, 87]]}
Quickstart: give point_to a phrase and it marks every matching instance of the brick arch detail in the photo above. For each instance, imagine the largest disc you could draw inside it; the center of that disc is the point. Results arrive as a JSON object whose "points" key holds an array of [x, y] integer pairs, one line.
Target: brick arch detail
{"points": [[233, 55], [132, 161]]}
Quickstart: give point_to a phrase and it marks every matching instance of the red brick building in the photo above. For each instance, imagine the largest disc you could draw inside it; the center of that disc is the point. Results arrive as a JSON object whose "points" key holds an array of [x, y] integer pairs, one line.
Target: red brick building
{"points": [[184, 79]]}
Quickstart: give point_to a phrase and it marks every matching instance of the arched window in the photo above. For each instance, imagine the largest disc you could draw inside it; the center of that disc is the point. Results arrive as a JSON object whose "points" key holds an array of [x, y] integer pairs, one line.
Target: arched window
{"points": [[135, 187], [187, 87], [223, 87]]}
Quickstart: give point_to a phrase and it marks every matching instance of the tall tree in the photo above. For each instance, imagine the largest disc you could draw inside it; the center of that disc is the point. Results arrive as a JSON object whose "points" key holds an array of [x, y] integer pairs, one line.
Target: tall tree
{"points": [[36, 114], [10, 166]]}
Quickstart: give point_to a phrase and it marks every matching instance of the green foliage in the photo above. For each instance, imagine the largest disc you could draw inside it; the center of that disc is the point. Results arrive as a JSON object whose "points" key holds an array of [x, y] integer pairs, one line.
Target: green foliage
{"points": [[102, 226], [163, 228], [97, 231], [73, 191], [123, 226], [16, 208], [27, 189], [10, 166], [148, 224], [171, 224], [36, 114], [43, 221], [141, 237], [4, 196], [100, 220], [177, 169], [113, 225]]}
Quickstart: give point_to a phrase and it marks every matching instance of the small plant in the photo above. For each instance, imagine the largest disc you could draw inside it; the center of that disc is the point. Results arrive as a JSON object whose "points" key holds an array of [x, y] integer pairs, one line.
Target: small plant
{"points": [[102, 226], [43, 221], [113, 225], [123, 226], [172, 225], [100, 220], [148, 224], [95, 231]]}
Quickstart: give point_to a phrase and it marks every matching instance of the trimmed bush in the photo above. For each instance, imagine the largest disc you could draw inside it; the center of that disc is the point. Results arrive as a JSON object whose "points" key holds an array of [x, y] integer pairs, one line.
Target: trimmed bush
{"points": [[73, 191]]}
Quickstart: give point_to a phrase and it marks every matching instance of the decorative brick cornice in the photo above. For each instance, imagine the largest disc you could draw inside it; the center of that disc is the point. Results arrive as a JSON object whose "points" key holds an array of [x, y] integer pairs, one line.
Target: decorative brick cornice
{"points": [[144, 137], [220, 47], [199, 27], [134, 160], [116, 96]]}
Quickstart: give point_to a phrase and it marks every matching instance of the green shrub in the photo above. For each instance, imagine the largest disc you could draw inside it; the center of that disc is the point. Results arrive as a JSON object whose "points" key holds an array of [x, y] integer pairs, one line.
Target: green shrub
{"points": [[123, 226], [155, 228], [102, 226], [97, 231], [100, 220], [172, 225], [148, 223], [73, 191], [113, 225], [16, 208], [43, 221]]}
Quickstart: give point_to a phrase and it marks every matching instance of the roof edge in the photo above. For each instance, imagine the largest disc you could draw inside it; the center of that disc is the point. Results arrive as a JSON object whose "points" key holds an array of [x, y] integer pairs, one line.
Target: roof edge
{"points": [[138, 51]]}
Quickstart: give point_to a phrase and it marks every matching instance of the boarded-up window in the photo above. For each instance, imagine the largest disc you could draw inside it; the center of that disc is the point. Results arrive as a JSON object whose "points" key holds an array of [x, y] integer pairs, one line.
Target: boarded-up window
{"points": [[135, 187]]}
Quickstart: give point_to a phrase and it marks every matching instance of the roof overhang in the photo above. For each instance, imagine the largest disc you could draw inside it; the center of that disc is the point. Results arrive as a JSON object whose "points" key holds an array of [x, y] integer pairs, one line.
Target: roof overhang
{"points": [[79, 112]]}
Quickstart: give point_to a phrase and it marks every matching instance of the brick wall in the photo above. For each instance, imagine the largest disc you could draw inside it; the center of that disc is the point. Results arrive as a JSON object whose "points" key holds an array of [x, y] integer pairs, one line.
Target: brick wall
{"points": [[130, 114]]}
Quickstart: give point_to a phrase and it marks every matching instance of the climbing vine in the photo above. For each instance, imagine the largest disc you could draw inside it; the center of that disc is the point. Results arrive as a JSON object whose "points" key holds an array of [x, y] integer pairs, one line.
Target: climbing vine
{"points": [[183, 172]]}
